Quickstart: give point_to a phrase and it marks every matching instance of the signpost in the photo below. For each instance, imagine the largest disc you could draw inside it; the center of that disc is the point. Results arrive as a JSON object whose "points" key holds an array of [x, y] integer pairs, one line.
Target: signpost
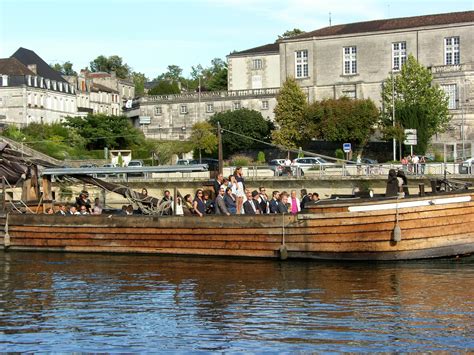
{"points": [[410, 139], [346, 147]]}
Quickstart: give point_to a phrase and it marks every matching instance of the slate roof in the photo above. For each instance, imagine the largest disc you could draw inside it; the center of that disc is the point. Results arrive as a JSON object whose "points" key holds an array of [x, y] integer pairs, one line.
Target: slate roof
{"points": [[12, 66], [391, 24], [267, 48], [27, 57]]}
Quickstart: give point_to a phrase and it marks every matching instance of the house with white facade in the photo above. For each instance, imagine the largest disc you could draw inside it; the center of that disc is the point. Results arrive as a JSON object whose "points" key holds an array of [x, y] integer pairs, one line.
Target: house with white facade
{"points": [[30, 91], [352, 60]]}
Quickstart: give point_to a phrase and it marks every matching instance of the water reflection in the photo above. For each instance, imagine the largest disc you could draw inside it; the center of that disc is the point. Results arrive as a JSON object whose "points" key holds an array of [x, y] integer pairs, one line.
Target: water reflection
{"points": [[74, 302]]}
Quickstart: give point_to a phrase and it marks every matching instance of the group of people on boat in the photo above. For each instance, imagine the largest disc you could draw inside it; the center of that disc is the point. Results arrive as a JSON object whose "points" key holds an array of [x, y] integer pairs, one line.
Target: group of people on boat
{"points": [[232, 197], [397, 183], [82, 206]]}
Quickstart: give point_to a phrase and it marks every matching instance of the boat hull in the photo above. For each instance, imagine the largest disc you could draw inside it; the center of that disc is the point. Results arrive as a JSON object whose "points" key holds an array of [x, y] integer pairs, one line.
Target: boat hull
{"points": [[441, 227]]}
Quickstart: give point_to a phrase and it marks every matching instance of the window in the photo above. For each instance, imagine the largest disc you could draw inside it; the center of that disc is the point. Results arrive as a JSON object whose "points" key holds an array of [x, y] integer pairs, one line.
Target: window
{"points": [[399, 55], [451, 51], [350, 60], [301, 64], [48, 84], [264, 105], [450, 91], [257, 64], [158, 111], [210, 108], [236, 105], [184, 109]]}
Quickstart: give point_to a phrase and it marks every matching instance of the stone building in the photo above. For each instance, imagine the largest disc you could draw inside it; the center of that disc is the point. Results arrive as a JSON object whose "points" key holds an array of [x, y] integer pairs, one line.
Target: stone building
{"points": [[30, 91], [352, 60]]}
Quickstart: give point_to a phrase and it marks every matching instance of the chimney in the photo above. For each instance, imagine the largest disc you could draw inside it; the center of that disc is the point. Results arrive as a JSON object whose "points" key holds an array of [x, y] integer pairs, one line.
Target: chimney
{"points": [[33, 68]]}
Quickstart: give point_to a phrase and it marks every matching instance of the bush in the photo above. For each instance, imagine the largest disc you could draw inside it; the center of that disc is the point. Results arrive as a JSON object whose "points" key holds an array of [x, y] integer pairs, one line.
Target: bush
{"points": [[261, 157], [240, 160], [339, 154]]}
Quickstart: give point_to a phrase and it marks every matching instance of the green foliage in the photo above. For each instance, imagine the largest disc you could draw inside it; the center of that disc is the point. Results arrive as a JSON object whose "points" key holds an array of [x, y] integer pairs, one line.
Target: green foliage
{"points": [[240, 160], [342, 120], [139, 80], [291, 33], [339, 154], [290, 115], [203, 137], [14, 133], [164, 150], [64, 69], [100, 131], [247, 123], [165, 87], [109, 64], [261, 157], [414, 94]]}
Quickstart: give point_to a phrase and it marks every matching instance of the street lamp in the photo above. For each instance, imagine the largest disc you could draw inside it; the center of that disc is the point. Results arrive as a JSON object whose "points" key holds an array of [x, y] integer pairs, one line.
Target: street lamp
{"points": [[393, 117]]}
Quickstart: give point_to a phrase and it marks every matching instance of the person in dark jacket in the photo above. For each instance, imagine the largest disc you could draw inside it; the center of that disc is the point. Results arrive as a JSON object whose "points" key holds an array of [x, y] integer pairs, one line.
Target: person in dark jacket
{"points": [[392, 184], [251, 206], [230, 201], [305, 198], [273, 205]]}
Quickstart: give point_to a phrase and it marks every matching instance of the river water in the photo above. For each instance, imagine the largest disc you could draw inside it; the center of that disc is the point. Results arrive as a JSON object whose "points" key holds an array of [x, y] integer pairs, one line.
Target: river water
{"points": [[131, 303]]}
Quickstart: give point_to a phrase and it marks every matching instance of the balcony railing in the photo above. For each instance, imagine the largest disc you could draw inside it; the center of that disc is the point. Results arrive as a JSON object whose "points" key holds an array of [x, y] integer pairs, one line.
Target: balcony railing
{"points": [[212, 95]]}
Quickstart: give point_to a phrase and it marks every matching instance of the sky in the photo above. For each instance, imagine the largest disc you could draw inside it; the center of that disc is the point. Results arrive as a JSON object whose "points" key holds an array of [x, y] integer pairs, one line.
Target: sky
{"points": [[151, 34]]}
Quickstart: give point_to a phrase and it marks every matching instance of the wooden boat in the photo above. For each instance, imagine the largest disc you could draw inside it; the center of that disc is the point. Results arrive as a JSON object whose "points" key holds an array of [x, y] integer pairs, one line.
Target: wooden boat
{"points": [[440, 225], [431, 226]]}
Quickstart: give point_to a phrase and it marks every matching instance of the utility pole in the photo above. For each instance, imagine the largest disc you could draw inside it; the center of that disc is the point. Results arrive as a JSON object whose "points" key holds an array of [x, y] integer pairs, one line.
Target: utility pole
{"points": [[220, 154]]}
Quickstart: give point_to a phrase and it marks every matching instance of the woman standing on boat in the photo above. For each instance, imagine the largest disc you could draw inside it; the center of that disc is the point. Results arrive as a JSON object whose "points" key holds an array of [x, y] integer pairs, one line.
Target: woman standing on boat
{"points": [[199, 205], [239, 177]]}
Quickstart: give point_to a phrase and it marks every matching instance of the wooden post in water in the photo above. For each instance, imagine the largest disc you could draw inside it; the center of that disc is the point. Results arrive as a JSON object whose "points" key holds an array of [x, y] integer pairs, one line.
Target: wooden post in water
{"points": [[220, 153]]}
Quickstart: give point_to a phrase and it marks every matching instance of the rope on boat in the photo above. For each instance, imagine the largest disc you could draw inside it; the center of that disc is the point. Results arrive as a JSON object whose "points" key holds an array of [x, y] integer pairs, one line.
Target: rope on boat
{"points": [[21, 201], [283, 250]]}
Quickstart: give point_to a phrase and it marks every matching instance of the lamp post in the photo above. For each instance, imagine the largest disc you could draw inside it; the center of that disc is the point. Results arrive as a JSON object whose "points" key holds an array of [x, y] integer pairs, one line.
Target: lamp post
{"points": [[393, 117]]}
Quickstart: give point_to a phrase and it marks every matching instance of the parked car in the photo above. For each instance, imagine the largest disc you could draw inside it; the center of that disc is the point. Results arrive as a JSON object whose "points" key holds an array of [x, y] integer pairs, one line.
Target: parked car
{"points": [[467, 166], [280, 169], [212, 164], [86, 166], [183, 161], [365, 161], [276, 165], [306, 163], [136, 163]]}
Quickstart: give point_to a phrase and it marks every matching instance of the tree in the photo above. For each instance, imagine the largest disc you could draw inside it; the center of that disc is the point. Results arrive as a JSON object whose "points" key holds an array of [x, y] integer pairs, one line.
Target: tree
{"points": [[291, 33], [102, 131], [174, 73], [165, 87], [112, 63], [245, 122], [418, 103], [203, 137], [290, 115], [64, 69], [342, 120], [139, 80]]}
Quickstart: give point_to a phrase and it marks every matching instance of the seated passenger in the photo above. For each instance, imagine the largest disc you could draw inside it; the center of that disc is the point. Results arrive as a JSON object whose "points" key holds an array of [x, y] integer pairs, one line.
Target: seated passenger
{"points": [[402, 182], [392, 184], [230, 201], [188, 209]]}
